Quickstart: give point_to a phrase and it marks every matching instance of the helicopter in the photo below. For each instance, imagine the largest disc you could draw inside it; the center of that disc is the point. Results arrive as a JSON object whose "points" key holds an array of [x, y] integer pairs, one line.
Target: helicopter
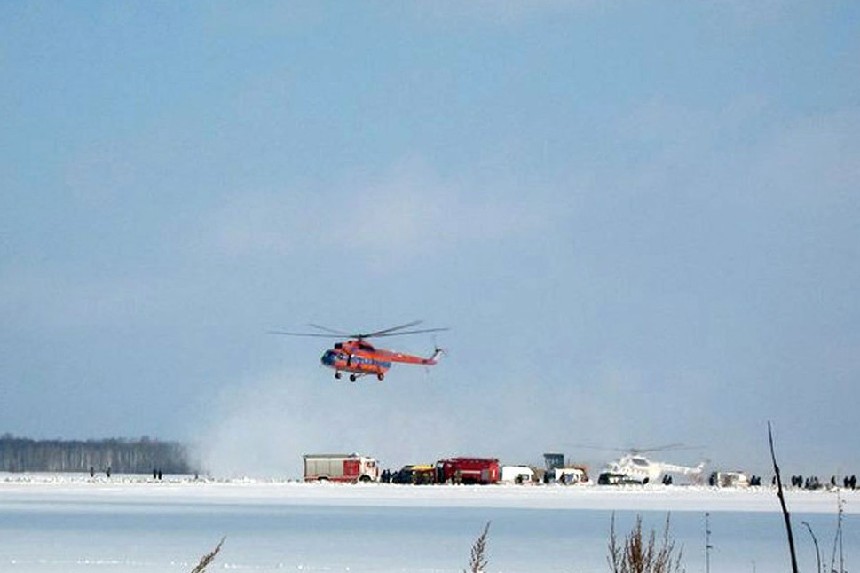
{"points": [[360, 358], [633, 467]]}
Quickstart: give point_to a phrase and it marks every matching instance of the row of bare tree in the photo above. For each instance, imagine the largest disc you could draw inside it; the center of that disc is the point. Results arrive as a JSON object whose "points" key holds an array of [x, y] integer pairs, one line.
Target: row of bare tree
{"points": [[139, 456]]}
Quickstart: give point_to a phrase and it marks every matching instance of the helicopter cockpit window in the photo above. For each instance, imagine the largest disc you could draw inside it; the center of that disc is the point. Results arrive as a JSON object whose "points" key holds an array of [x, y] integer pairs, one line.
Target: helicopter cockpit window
{"points": [[640, 462]]}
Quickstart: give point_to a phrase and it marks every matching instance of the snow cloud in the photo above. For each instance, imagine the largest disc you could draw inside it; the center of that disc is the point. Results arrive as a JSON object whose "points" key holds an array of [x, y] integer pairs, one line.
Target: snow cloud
{"points": [[263, 427]]}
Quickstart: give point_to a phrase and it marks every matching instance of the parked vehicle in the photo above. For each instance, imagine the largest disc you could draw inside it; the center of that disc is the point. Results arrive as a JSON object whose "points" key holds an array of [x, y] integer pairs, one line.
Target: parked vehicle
{"points": [[415, 474], [517, 474], [349, 468], [571, 475], [729, 479], [565, 473], [468, 470]]}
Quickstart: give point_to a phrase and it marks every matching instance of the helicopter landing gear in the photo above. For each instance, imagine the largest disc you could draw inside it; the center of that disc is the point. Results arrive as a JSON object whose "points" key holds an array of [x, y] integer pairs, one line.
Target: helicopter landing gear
{"points": [[352, 377], [337, 375], [380, 376]]}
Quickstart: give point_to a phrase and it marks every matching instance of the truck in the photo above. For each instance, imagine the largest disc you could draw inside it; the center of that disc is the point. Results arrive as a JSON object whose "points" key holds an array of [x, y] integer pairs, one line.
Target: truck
{"points": [[468, 470], [349, 468], [517, 474]]}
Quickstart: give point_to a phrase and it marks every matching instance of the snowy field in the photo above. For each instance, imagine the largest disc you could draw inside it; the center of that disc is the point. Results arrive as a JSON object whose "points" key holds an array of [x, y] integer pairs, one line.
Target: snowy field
{"points": [[51, 523]]}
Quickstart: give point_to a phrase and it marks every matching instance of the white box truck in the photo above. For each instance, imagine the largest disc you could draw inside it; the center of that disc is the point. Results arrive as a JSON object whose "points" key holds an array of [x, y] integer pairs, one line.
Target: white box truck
{"points": [[348, 468]]}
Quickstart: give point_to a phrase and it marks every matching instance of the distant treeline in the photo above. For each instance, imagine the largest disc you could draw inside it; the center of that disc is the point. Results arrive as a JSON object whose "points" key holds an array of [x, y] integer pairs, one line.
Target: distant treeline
{"points": [[117, 455]]}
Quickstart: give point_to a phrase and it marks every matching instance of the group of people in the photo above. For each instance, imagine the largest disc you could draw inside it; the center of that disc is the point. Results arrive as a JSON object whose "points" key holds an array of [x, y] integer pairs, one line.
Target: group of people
{"points": [[812, 482], [847, 482]]}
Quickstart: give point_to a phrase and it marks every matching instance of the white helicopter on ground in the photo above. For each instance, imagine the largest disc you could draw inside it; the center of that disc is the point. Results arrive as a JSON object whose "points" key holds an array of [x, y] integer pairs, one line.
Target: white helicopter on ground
{"points": [[634, 467]]}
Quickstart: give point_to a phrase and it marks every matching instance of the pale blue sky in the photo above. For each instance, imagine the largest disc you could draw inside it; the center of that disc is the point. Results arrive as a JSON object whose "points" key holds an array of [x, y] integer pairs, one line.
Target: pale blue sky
{"points": [[640, 220]]}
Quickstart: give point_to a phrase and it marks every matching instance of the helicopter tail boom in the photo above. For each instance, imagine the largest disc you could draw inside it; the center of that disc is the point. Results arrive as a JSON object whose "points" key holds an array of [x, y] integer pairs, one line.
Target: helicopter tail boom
{"points": [[411, 359], [684, 470]]}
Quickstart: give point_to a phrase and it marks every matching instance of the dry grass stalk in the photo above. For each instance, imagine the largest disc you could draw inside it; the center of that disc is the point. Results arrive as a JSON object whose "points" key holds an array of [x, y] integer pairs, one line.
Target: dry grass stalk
{"points": [[641, 555], [815, 541], [478, 558], [208, 558], [837, 540]]}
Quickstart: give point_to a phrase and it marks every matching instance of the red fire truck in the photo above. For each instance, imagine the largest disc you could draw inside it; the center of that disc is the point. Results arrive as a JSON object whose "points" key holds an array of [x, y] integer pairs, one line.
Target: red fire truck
{"points": [[468, 470], [341, 468]]}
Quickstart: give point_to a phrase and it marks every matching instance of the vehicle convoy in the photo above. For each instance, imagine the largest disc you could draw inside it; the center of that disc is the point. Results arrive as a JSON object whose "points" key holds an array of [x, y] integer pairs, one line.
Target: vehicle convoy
{"points": [[350, 468], [468, 470]]}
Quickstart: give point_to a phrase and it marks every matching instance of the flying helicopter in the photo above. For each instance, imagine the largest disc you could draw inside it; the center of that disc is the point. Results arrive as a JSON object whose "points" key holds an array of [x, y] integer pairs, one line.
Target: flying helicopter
{"points": [[360, 358]]}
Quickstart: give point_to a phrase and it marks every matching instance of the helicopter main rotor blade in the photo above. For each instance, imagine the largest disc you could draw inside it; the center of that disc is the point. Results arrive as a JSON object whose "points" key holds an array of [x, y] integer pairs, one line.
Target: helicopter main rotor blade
{"points": [[663, 448], [387, 331], [411, 332], [676, 446], [330, 330], [327, 332], [600, 448], [314, 334], [332, 333]]}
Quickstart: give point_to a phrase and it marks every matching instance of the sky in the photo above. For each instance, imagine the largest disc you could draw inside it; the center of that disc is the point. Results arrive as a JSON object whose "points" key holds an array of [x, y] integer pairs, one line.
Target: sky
{"points": [[638, 219]]}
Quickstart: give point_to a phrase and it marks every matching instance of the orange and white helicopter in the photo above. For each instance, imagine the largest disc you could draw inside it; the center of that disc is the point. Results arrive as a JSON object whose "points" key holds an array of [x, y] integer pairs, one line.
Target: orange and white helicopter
{"points": [[359, 357]]}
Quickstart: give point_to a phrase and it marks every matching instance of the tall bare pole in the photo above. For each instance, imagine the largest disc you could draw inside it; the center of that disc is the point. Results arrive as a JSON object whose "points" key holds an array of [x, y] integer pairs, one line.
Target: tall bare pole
{"points": [[781, 497]]}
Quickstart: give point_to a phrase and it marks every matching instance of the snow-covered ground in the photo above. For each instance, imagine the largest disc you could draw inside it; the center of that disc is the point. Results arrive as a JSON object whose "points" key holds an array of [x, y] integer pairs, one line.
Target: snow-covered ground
{"points": [[75, 524], [132, 489]]}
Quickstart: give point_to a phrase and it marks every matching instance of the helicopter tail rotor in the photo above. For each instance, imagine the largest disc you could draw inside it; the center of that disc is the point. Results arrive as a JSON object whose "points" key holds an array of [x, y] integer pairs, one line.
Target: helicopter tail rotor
{"points": [[438, 353]]}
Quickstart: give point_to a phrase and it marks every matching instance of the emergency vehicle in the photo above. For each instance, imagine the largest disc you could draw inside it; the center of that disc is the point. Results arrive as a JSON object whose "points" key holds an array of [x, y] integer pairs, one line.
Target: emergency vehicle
{"points": [[468, 470], [348, 468]]}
